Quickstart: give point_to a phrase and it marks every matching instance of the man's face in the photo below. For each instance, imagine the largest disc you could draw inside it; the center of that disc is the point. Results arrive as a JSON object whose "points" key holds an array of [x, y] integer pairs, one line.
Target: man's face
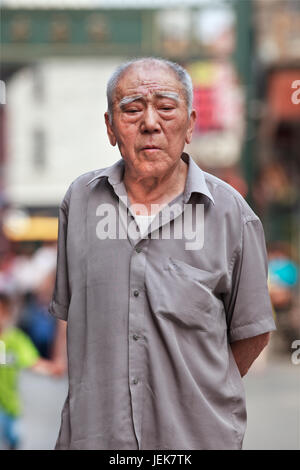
{"points": [[150, 119]]}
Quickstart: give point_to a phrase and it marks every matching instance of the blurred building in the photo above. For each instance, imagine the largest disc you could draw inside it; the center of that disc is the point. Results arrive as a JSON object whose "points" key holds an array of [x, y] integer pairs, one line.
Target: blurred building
{"points": [[278, 119], [55, 128]]}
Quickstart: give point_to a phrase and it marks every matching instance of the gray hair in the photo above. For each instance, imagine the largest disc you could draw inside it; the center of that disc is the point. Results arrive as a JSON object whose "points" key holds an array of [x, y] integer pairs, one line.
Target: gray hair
{"points": [[181, 74]]}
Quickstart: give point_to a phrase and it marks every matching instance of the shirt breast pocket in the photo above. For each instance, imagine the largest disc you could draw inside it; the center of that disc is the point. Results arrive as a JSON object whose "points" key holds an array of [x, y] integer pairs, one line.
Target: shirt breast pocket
{"points": [[183, 294]]}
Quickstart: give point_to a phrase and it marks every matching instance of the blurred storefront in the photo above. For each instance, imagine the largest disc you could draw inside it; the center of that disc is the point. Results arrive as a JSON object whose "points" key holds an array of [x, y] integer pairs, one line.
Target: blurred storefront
{"points": [[277, 170], [278, 139]]}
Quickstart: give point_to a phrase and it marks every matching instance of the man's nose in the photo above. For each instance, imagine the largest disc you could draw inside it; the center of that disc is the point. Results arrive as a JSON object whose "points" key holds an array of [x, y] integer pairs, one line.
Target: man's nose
{"points": [[150, 121]]}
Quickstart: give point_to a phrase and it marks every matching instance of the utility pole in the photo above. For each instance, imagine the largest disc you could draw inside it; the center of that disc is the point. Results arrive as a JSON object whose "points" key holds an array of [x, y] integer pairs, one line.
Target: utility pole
{"points": [[244, 59]]}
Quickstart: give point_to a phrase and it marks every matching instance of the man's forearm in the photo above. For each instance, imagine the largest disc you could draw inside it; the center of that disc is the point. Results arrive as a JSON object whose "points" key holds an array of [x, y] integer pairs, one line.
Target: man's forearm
{"points": [[245, 351]]}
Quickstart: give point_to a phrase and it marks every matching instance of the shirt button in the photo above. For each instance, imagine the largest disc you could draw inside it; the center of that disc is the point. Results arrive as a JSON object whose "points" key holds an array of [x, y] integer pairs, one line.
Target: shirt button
{"points": [[138, 249], [135, 381], [136, 293], [135, 337]]}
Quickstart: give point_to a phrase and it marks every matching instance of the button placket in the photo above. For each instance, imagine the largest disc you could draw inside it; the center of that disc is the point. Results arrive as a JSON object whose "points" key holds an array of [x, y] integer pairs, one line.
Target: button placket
{"points": [[136, 346]]}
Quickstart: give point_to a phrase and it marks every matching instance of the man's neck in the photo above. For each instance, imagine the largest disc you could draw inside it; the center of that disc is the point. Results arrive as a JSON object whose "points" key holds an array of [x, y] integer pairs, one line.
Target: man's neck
{"points": [[158, 191]]}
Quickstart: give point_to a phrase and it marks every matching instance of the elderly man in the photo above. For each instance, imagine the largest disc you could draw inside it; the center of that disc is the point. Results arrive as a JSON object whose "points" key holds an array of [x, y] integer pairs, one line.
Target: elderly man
{"points": [[160, 329]]}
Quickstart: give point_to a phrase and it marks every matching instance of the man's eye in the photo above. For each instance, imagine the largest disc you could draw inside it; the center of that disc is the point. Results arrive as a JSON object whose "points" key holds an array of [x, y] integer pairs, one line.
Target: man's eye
{"points": [[166, 108], [132, 111]]}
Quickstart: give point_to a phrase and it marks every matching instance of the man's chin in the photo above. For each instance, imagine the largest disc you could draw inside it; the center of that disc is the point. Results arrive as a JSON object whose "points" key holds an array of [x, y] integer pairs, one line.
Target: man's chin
{"points": [[155, 164], [151, 154], [154, 167]]}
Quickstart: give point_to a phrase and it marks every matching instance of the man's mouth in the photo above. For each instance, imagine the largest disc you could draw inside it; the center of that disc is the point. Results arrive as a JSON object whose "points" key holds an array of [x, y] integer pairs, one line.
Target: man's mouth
{"points": [[150, 147]]}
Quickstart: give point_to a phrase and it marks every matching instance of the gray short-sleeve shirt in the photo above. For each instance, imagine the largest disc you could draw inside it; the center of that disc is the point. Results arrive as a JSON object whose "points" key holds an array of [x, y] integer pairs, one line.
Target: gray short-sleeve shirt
{"points": [[151, 319]]}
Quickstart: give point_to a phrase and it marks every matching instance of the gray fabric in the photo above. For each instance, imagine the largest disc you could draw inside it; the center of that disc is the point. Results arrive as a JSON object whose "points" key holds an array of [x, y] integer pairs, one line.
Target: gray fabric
{"points": [[155, 370]]}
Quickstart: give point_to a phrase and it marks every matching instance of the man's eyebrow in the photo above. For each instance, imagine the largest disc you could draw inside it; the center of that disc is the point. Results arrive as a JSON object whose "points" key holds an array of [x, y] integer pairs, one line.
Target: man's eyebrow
{"points": [[160, 94], [172, 96], [129, 99]]}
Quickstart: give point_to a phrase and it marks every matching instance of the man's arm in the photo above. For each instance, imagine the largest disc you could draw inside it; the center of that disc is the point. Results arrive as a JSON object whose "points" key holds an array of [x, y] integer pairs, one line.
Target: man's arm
{"points": [[245, 351], [45, 367], [59, 352]]}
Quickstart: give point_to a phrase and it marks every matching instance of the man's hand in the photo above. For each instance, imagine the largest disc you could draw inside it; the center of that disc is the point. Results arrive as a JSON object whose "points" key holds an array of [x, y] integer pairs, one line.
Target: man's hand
{"points": [[245, 351], [49, 367]]}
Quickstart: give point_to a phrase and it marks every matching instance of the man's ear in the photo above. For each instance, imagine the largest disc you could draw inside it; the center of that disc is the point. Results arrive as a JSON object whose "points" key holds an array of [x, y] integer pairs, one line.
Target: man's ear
{"points": [[110, 131], [191, 125]]}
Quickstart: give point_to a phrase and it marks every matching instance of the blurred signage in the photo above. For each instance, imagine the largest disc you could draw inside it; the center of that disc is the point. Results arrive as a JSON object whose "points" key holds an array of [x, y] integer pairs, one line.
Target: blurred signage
{"points": [[219, 103], [20, 28], [205, 80], [283, 94], [207, 29], [60, 29], [107, 31], [56, 26], [218, 99], [19, 226]]}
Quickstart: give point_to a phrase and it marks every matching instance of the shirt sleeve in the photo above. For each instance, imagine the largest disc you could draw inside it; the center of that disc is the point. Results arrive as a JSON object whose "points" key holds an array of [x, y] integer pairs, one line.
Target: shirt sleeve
{"points": [[59, 304], [248, 306]]}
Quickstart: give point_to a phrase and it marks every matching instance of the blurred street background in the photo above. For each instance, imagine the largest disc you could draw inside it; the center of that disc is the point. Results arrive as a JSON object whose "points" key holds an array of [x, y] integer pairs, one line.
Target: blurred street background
{"points": [[56, 58]]}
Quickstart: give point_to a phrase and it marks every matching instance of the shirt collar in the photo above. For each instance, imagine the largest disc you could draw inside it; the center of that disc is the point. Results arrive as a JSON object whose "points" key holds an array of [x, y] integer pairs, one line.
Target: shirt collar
{"points": [[114, 173], [195, 181]]}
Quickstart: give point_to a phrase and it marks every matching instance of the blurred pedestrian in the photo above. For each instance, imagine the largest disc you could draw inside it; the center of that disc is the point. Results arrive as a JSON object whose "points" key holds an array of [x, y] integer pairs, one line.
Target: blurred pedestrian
{"points": [[35, 319], [18, 352], [283, 281]]}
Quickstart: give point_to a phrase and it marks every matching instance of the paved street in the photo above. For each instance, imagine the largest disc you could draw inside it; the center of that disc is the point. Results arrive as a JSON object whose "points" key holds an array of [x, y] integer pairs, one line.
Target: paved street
{"points": [[43, 399], [273, 406], [273, 403]]}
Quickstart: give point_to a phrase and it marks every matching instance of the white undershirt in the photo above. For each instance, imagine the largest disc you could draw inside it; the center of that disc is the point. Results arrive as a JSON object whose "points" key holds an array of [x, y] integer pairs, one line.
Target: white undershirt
{"points": [[143, 222]]}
